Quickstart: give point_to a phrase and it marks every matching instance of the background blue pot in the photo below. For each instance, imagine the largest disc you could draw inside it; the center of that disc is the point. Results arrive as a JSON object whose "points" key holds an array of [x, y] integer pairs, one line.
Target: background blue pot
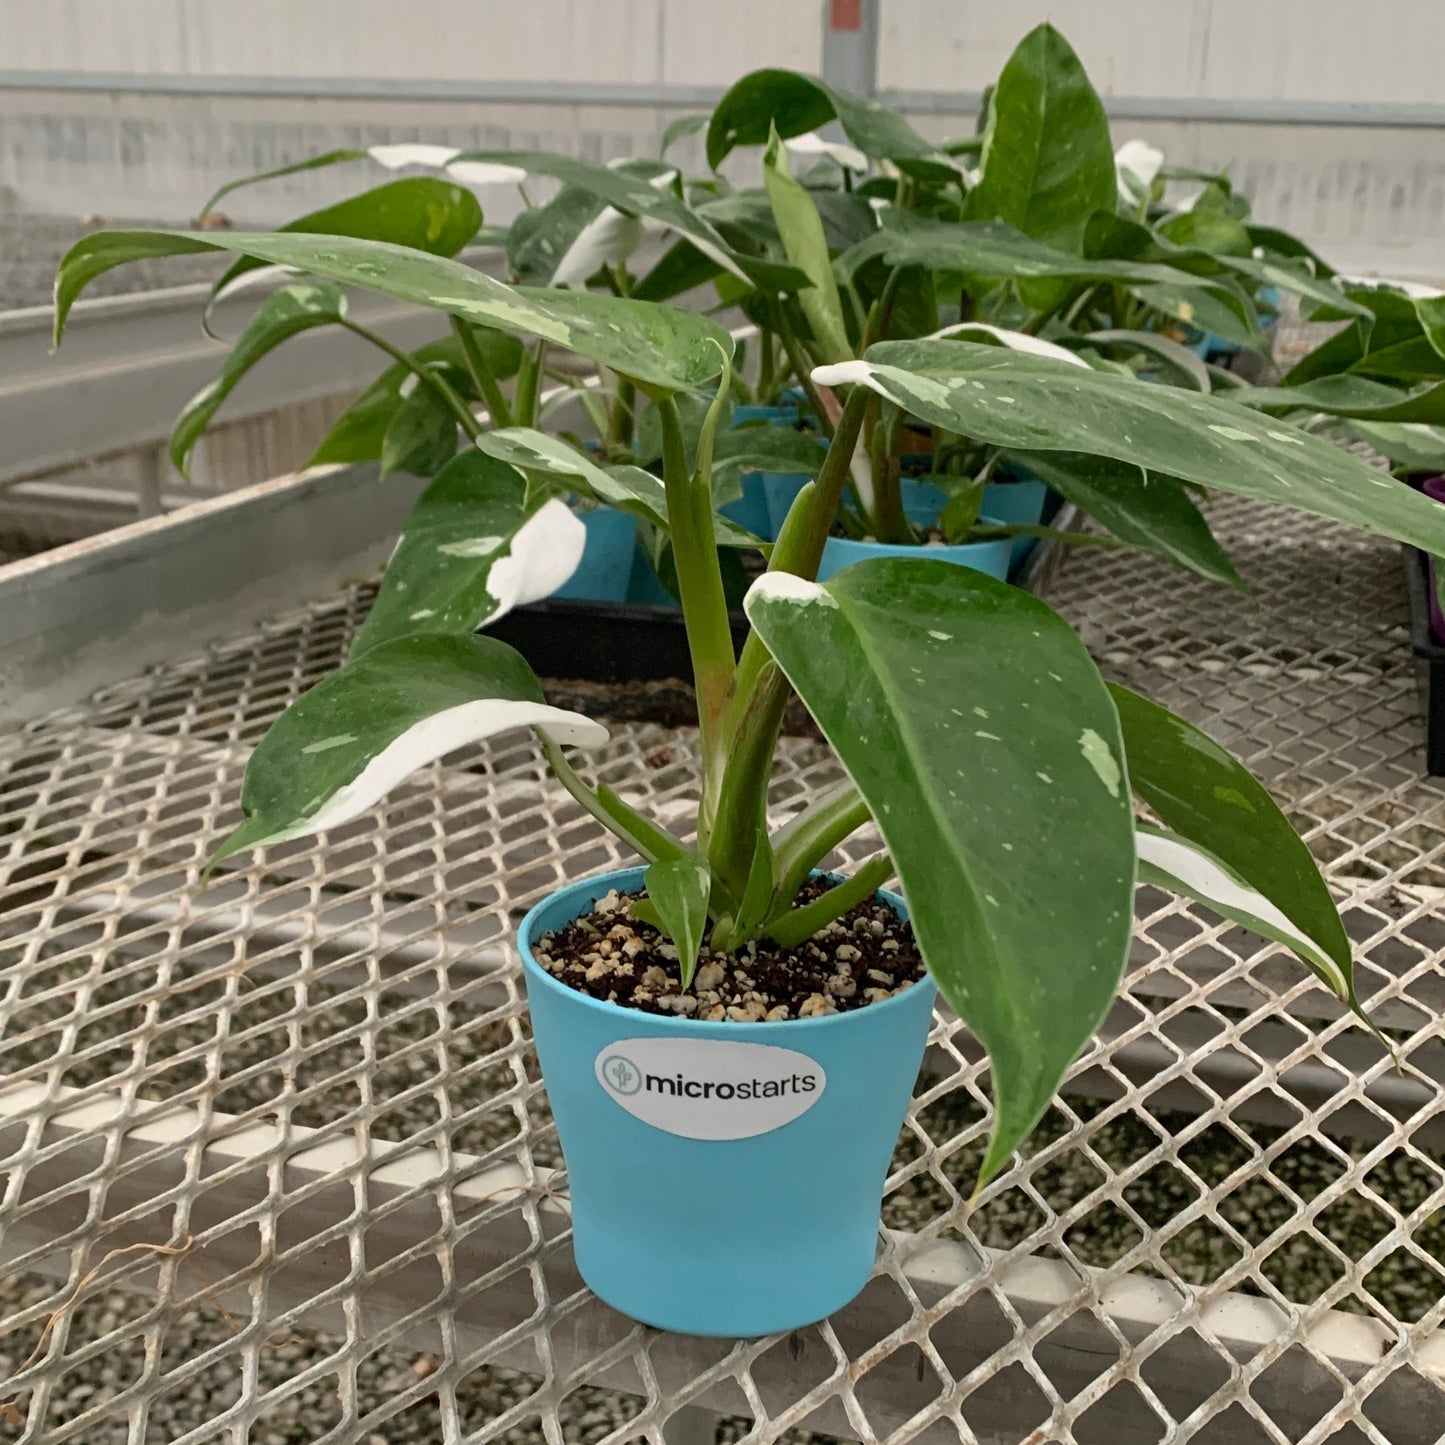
{"points": [[780, 491], [751, 509], [922, 502], [785, 415], [990, 557], [1018, 502], [605, 571], [729, 1236]]}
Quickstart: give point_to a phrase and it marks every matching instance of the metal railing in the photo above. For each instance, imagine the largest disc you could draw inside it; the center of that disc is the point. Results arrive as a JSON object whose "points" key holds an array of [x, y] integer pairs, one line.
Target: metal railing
{"points": [[314, 1082]]}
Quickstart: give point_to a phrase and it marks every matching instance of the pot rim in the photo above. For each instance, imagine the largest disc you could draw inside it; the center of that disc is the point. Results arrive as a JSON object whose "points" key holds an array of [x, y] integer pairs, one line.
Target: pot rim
{"points": [[625, 877]]}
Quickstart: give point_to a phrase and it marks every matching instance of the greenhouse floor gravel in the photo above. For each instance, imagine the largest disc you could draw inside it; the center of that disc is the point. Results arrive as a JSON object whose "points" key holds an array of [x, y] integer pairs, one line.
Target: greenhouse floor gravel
{"points": [[313, 1084]]}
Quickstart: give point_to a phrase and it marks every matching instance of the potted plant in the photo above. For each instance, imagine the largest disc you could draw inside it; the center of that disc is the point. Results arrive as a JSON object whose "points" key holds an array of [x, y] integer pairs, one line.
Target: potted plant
{"points": [[1053, 239], [975, 729]]}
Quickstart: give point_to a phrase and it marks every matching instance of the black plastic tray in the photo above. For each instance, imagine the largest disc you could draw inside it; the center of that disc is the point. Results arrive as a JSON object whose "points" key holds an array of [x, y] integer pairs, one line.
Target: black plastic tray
{"points": [[603, 641], [1430, 659]]}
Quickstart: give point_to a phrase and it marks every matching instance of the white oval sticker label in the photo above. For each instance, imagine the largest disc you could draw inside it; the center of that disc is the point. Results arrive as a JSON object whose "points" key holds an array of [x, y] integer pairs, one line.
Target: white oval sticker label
{"points": [[710, 1088]]}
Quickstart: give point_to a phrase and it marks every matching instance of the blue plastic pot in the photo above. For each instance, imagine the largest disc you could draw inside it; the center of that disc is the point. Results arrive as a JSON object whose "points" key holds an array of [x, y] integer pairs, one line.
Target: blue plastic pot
{"points": [[780, 491], [785, 415], [751, 509], [990, 557], [605, 570], [1012, 503], [922, 502], [728, 1236], [1017, 503]]}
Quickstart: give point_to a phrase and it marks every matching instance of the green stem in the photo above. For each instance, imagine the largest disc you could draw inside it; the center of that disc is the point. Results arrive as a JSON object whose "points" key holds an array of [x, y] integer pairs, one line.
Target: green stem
{"points": [[529, 384], [486, 383], [890, 521], [704, 603], [1077, 309], [425, 375], [799, 925], [624, 410], [880, 317], [803, 843], [765, 366], [640, 834], [759, 690], [802, 366]]}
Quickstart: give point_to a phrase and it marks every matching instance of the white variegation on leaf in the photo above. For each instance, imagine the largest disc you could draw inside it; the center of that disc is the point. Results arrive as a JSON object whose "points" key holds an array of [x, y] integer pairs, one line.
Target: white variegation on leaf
{"points": [[486, 173], [606, 241], [1036, 403], [342, 746], [1171, 862], [543, 556], [413, 153], [1137, 163], [434, 738], [259, 276], [472, 549], [810, 143], [1014, 340]]}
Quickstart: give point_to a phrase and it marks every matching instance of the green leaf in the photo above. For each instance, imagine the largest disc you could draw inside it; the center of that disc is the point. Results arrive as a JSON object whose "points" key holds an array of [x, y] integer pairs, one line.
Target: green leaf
{"points": [[1350, 396], [1179, 359], [661, 346], [807, 248], [1177, 865], [679, 269], [342, 746], [768, 449], [311, 163], [1431, 311], [794, 103], [678, 889], [628, 488], [846, 216], [539, 239], [423, 213], [357, 434], [634, 194], [680, 129], [960, 513], [1407, 445], [472, 549], [1033, 403], [421, 436], [1205, 230], [1151, 511], [1389, 344], [1211, 800], [287, 313], [1048, 161], [992, 250], [1275, 242], [982, 738], [1218, 306]]}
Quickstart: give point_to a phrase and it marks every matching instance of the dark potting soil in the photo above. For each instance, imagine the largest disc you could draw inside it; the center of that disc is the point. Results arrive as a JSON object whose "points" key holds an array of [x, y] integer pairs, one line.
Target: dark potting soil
{"points": [[867, 955]]}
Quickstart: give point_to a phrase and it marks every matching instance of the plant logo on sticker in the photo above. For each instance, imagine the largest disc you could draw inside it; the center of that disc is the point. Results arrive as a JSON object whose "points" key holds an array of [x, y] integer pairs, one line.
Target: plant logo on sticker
{"points": [[621, 1075], [710, 1088]]}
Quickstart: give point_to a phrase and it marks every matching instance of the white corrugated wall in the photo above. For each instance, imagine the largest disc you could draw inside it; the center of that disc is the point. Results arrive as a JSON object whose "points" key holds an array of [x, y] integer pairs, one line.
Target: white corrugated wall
{"points": [[1372, 196]]}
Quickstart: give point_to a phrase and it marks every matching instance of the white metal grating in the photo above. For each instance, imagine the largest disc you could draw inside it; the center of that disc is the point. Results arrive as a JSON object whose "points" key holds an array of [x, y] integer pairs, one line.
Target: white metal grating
{"points": [[314, 1079]]}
